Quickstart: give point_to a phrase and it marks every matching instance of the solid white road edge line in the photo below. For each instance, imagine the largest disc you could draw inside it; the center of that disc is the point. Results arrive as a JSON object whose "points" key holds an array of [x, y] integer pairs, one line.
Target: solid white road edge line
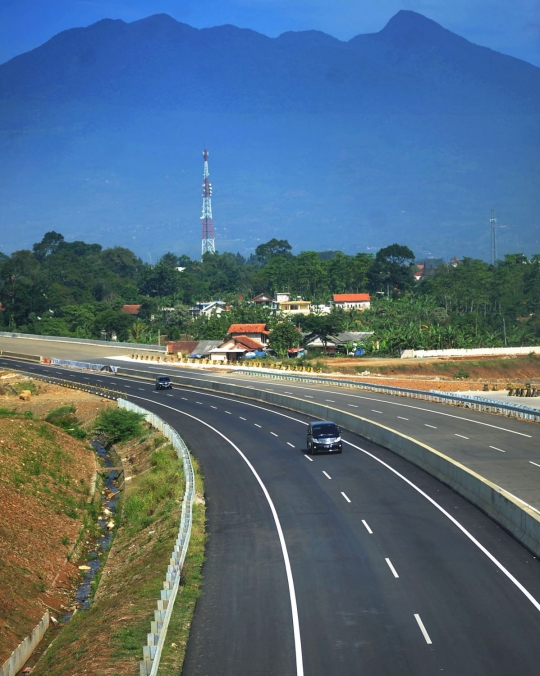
{"points": [[288, 570], [394, 571], [367, 527], [422, 628], [471, 537]]}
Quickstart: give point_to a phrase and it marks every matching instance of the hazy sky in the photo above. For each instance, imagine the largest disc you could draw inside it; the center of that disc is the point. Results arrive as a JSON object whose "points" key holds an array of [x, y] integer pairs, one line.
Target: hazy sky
{"points": [[508, 26]]}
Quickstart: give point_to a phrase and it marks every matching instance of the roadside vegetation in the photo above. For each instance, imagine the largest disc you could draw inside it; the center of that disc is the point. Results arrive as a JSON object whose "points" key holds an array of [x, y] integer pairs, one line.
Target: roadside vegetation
{"points": [[78, 289], [108, 638]]}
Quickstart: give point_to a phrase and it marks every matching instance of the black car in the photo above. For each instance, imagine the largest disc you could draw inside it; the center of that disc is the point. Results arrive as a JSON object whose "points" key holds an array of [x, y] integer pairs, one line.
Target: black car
{"points": [[163, 383], [323, 437]]}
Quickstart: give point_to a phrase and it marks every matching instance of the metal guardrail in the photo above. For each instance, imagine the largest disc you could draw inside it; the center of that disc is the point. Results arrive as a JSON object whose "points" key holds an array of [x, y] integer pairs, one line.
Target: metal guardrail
{"points": [[158, 627], [105, 392], [478, 404]]}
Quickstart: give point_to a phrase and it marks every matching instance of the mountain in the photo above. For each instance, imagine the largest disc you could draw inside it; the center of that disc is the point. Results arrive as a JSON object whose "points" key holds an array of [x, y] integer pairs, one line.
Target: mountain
{"points": [[411, 134]]}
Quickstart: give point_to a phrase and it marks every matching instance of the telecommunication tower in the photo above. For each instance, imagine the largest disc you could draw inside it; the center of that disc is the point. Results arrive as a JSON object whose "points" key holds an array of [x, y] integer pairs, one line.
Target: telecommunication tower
{"points": [[208, 243], [492, 223]]}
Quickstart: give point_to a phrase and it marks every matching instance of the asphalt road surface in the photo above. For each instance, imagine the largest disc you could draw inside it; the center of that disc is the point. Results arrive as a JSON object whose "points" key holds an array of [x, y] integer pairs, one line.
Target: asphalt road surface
{"points": [[357, 563]]}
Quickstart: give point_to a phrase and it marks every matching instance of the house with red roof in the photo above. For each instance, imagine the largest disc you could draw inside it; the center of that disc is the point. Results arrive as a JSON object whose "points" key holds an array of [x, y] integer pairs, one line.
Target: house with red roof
{"points": [[352, 301], [257, 332], [131, 309]]}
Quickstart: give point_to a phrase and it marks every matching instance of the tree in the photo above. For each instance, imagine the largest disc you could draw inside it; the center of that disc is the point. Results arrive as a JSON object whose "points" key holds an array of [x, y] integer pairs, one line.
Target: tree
{"points": [[392, 269], [275, 247], [283, 336], [119, 424], [48, 245]]}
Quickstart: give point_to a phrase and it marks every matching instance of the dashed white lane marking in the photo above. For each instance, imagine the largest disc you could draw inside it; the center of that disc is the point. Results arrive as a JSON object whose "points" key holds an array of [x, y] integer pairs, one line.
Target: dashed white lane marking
{"points": [[199, 402], [346, 498], [497, 449], [86, 378], [422, 628], [394, 571], [308, 396], [213, 407], [274, 434], [185, 398], [332, 401], [402, 418], [534, 463], [367, 527], [100, 381], [465, 532], [256, 425], [242, 418], [327, 475], [352, 405], [288, 392], [170, 395], [460, 435], [129, 386], [291, 445], [375, 410], [307, 456], [142, 390], [432, 426], [228, 412]]}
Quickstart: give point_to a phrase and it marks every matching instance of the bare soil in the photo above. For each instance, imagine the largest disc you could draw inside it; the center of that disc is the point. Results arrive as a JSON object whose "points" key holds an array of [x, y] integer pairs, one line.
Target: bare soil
{"points": [[449, 375], [45, 480]]}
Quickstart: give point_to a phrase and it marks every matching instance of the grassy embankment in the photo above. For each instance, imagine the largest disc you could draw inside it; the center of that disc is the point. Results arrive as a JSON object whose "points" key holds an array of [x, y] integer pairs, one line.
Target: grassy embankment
{"points": [[108, 638]]}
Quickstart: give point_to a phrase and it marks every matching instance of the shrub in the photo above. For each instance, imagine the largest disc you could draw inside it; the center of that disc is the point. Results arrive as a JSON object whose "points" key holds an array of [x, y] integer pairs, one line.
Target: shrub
{"points": [[65, 418], [118, 424]]}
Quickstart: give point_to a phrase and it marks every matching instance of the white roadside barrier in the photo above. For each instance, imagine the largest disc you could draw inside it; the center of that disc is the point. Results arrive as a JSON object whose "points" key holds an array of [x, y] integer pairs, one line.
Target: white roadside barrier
{"points": [[162, 615]]}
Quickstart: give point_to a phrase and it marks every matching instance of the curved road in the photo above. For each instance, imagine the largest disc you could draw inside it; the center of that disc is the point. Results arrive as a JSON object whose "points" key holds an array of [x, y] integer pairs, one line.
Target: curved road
{"points": [[390, 572]]}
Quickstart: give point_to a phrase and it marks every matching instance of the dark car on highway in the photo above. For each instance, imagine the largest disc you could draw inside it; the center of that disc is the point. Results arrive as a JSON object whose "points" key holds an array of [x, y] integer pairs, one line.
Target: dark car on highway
{"points": [[163, 383], [323, 436]]}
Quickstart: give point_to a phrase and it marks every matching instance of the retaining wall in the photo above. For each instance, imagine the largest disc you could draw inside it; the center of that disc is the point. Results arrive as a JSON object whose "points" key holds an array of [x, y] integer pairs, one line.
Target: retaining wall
{"points": [[21, 654], [472, 352]]}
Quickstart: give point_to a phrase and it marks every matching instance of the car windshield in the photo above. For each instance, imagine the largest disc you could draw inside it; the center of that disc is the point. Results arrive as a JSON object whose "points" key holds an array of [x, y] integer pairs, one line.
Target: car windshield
{"points": [[163, 379], [328, 430]]}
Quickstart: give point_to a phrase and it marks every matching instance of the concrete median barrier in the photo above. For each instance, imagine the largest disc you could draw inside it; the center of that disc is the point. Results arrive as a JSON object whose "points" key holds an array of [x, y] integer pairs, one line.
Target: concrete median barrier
{"points": [[515, 516]]}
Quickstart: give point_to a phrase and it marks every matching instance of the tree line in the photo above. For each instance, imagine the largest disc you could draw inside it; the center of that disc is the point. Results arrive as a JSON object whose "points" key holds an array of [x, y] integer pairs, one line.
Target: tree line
{"points": [[78, 289]]}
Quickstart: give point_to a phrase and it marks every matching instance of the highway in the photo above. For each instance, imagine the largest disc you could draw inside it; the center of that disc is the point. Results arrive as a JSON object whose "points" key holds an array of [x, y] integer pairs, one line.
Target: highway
{"points": [[347, 564]]}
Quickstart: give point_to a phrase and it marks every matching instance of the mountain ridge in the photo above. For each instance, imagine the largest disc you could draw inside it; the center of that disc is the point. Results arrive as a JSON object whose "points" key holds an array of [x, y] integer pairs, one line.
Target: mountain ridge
{"points": [[397, 122]]}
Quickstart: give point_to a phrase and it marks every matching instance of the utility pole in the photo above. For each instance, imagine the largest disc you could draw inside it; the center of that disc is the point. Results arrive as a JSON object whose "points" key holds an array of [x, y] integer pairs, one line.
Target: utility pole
{"points": [[492, 223], [208, 243]]}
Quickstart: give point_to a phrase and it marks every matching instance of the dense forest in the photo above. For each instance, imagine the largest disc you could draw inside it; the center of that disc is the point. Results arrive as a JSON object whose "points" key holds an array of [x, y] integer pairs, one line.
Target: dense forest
{"points": [[78, 289]]}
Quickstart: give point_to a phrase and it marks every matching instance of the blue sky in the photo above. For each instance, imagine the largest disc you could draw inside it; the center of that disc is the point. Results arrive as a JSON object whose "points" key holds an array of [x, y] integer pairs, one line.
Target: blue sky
{"points": [[508, 26]]}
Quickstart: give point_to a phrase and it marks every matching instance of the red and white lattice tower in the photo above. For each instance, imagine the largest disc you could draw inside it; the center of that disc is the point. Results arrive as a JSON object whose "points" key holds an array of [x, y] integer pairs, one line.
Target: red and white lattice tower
{"points": [[208, 243]]}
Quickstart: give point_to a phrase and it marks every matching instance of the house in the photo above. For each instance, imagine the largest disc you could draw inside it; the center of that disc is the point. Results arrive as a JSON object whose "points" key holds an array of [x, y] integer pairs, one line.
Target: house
{"points": [[292, 307], [339, 341], [131, 309], [228, 351], [185, 348], [264, 300], [248, 343], [258, 332], [352, 301], [208, 309]]}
